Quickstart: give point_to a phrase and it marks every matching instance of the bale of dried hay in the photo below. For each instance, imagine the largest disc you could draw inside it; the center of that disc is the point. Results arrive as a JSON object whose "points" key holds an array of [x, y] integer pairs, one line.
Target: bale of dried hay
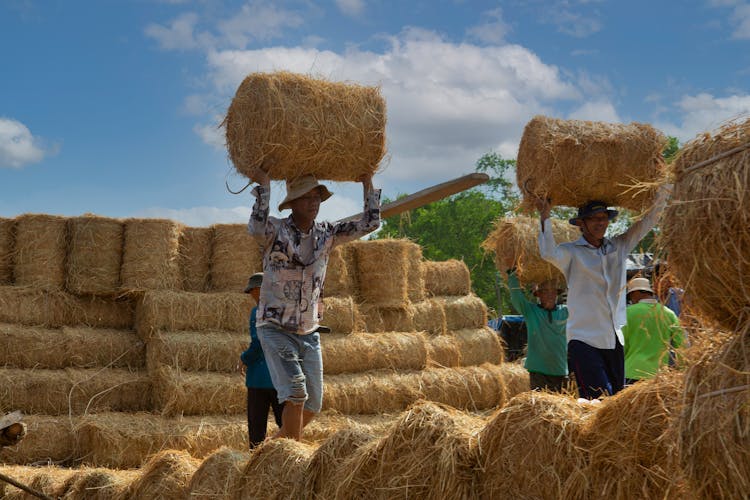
{"points": [[190, 393], [429, 453], [7, 247], [515, 377], [377, 391], [328, 422], [94, 255], [387, 319], [380, 284], [574, 161], [166, 476], [292, 125], [443, 352], [235, 256], [40, 246], [529, 448], [196, 351], [99, 484], [49, 439], [358, 352], [48, 480], [217, 476], [517, 238], [468, 311], [479, 345], [709, 203], [195, 258], [340, 279], [713, 431], [414, 273], [341, 314], [274, 470], [450, 277], [150, 255], [429, 317], [470, 388]]}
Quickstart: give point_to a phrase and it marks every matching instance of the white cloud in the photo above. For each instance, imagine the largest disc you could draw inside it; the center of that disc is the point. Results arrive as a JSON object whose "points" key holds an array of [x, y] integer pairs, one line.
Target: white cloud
{"points": [[493, 29], [352, 8], [258, 20], [741, 17], [577, 25], [18, 147], [178, 35], [704, 112], [602, 111], [211, 133]]}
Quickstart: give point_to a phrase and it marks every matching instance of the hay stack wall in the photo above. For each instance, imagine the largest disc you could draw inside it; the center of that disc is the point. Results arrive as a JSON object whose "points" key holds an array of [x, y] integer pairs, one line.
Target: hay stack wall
{"points": [[150, 255], [7, 243], [40, 247], [235, 256], [94, 255]]}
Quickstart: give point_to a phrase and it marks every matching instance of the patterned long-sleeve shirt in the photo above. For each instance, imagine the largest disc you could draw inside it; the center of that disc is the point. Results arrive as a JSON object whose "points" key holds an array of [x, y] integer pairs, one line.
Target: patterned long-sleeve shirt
{"points": [[294, 263]]}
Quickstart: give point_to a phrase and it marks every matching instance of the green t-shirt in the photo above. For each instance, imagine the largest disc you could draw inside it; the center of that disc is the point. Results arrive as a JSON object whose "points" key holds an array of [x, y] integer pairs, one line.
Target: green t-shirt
{"points": [[547, 350], [651, 330]]}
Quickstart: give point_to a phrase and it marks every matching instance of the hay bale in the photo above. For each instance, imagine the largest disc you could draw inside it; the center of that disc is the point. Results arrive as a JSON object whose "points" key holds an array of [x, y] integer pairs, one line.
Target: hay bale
{"points": [[478, 346], [708, 204], [235, 256], [49, 439], [429, 317], [176, 311], [450, 277], [166, 476], [339, 280], [429, 453], [94, 255], [190, 393], [357, 352], [383, 285], [517, 238], [387, 319], [515, 377], [217, 476], [196, 351], [195, 258], [40, 246], [49, 480], [713, 432], [292, 125], [469, 388], [341, 314], [468, 311], [611, 157], [99, 484], [328, 423], [274, 470], [443, 351], [150, 255], [415, 279], [7, 248], [377, 391], [529, 449]]}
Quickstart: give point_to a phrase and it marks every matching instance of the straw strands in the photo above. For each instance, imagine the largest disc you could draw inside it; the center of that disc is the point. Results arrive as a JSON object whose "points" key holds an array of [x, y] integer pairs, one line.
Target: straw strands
{"points": [[383, 271], [195, 258], [574, 161], [292, 125], [48, 439], [94, 255], [387, 318], [359, 352], [195, 351], [450, 277], [51, 481], [40, 246], [274, 470], [98, 484], [150, 255], [705, 229], [339, 275], [340, 314], [7, 239], [468, 311], [197, 393], [429, 316], [165, 476], [235, 256], [414, 272], [218, 475]]}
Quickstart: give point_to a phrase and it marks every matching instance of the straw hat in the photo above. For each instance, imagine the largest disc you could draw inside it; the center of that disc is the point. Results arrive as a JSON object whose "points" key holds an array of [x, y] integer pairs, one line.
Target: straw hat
{"points": [[639, 284], [591, 208], [255, 281], [300, 186]]}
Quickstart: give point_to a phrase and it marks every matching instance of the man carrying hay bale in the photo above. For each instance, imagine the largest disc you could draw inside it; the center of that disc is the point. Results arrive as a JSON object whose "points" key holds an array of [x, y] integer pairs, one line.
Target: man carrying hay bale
{"points": [[594, 269], [295, 256], [260, 392], [651, 333], [547, 347]]}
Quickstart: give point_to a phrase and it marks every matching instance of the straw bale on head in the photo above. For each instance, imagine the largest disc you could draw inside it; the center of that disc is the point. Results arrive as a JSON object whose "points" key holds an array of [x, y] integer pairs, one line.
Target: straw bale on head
{"points": [[150, 255], [469, 388], [235, 256], [7, 244], [714, 428], [705, 228], [383, 272], [195, 351], [388, 319], [429, 317], [48, 439], [631, 451], [292, 125], [359, 352], [341, 314], [575, 161], [518, 238], [274, 470], [40, 246], [165, 476], [415, 273], [94, 255], [190, 393], [429, 453], [529, 448], [217, 476], [450, 277], [340, 281], [99, 484], [195, 258], [468, 311]]}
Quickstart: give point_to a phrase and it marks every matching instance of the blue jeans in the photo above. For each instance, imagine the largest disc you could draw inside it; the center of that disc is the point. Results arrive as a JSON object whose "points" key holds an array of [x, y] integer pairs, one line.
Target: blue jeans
{"points": [[295, 363], [597, 371]]}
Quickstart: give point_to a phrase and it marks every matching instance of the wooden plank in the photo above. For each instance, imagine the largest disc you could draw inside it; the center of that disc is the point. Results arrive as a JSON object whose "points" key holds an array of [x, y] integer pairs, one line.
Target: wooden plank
{"points": [[428, 195]]}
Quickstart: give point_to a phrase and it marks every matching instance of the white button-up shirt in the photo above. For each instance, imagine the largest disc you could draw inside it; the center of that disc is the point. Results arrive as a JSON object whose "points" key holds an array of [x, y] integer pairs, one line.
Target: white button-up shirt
{"points": [[597, 278]]}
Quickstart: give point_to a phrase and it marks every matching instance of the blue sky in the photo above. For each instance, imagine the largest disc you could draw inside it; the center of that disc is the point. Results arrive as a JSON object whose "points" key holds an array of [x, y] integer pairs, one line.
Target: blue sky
{"points": [[111, 107]]}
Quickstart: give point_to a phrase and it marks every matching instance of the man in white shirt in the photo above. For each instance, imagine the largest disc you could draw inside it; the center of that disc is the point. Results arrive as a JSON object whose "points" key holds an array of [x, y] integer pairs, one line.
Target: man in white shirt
{"points": [[594, 268]]}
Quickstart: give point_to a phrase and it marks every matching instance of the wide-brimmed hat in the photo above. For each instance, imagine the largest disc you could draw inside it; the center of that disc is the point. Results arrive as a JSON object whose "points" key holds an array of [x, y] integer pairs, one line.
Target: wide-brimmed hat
{"points": [[639, 284], [591, 208], [255, 281], [296, 188]]}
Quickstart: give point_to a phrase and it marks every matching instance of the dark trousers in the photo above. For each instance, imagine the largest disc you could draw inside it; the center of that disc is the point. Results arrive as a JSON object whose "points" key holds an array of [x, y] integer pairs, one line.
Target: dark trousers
{"points": [[259, 401], [597, 371], [553, 383]]}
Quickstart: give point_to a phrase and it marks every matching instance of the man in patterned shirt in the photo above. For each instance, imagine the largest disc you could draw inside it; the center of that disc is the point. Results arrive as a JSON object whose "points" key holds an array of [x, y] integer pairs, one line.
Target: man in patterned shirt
{"points": [[295, 255]]}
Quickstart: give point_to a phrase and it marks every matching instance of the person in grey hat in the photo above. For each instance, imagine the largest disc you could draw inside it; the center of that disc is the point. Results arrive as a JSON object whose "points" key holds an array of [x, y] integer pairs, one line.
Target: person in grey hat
{"points": [[261, 395], [295, 255]]}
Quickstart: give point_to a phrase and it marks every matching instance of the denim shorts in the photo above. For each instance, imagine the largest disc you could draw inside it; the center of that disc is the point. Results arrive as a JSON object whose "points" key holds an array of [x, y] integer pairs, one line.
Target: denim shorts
{"points": [[295, 363]]}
